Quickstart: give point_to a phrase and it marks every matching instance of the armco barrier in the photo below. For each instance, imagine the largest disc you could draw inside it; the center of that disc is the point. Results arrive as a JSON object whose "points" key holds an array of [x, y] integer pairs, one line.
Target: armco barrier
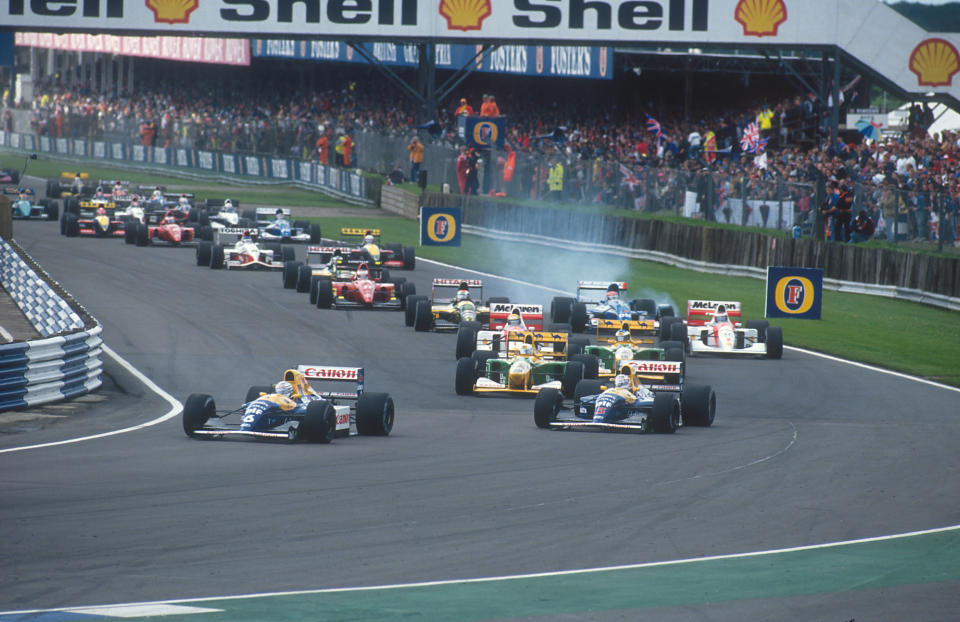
{"points": [[67, 362]]}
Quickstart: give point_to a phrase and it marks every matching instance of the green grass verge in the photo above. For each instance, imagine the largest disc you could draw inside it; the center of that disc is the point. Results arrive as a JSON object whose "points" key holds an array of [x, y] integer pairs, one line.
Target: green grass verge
{"points": [[893, 334]]}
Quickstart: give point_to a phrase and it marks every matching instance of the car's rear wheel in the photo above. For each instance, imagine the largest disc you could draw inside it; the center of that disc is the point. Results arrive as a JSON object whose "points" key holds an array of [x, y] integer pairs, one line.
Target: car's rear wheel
{"points": [[255, 391], [665, 414], [217, 257], [72, 227], [288, 254], [304, 273], [407, 291], [423, 316], [375, 414], [204, 252], [197, 410], [410, 311], [466, 341], [130, 234], [573, 373], [315, 235], [646, 306], [409, 258], [560, 309], [290, 269], [699, 405], [678, 332], [761, 328], [143, 234], [774, 342], [673, 346], [52, 210], [586, 388], [324, 292], [590, 362], [578, 317], [206, 233], [546, 407], [319, 422]]}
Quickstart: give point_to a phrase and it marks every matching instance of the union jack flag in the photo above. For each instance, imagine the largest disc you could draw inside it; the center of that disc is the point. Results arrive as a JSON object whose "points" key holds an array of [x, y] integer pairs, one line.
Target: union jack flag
{"points": [[653, 126], [627, 178], [751, 142]]}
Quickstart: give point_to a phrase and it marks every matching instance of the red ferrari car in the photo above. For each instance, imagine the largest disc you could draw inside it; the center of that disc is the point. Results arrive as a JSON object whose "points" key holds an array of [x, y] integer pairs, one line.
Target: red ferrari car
{"points": [[366, 289], [169, 226]]}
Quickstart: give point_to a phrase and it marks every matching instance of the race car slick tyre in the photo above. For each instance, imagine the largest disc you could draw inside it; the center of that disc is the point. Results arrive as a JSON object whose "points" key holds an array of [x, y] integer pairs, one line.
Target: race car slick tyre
{"points": [[410, 312], [590, 362], [678, 332], [319, 422], [206, 233], [72, 227], [130, 234], [384, 275], [560, 309], [761, 326], [143, 234], [699, 405], [303, 225], [63, 224], [287, 254], [276, 248], [304, 273], [290, 269], [407, 291], [375, 414], [324, 293], [203, 217], [546, 407], [466, 376], [197, 410], [674, 353], [572, 374], [466, 341], [669, 346], [578, 317], [216, 257], [409, 258], [315, 235], [72, 205], [423, 316], [645, 305], [665, 414], [665, 311], [575, 345], [255, 391], [313, 287], [204, 251], [481, 357], [587, 387], [774, 342], [52, 210]]}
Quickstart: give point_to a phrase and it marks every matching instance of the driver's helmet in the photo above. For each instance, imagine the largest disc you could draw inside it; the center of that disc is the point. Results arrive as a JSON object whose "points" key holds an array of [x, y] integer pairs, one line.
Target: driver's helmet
{"points": [[369, 239], [622, 381], [721, 310], [247, 236], [183, 200], [134, 200], [526, 349], [612, 295], [228, 204], [513, 319], [363, 273], [284, 388], [101, 211], [279, 215], [462, 295], [623, 335], [157, 195], [24, 195]]}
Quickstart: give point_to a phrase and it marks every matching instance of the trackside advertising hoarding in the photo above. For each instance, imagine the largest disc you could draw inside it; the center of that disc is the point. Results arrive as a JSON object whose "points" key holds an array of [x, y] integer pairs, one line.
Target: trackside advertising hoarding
{"points": [[440, 226], [868, 30], [794, 292]]}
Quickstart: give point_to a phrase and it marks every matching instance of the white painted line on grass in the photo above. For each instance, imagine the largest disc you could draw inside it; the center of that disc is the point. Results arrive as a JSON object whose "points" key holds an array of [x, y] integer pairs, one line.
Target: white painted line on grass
{"points": [[518, 577], [175, 409], [793, 348]]}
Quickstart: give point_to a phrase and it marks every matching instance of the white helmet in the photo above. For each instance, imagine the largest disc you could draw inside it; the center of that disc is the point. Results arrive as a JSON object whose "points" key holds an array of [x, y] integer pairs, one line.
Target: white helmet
{"points": [[622, 381], [623, 335], [284, 388], [526, 349], [463, 294], [227, 203], [369, 239]]}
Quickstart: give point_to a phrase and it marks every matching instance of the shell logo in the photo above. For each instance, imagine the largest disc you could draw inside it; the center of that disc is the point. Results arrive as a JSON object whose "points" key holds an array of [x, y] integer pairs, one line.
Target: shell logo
{"points": [[172, 11], [760, 18], [935, 61], [465, 14]]}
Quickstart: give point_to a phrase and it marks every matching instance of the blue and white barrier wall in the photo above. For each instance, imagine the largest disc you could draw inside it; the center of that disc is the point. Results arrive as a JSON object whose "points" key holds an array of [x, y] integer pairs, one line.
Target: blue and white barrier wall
{"points": [[67, 361]]}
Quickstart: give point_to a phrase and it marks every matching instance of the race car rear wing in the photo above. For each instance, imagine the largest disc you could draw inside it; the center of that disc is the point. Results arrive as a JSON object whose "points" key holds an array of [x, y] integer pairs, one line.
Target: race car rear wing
{"points": [[546, 344], [640, 330], [656, 375], [272, 211], [530, 315], [584, 288], [329, 373], [474, 285], [357, 232], [700, 312]]}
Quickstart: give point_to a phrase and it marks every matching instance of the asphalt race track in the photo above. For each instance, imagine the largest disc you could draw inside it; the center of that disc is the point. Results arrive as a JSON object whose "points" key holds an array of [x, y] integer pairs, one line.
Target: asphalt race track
{"points": [[804, 451]]}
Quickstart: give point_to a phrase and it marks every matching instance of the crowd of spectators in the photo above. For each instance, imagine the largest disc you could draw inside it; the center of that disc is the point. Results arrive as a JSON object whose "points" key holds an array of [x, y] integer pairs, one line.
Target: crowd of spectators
{"points": [[606, 154]]}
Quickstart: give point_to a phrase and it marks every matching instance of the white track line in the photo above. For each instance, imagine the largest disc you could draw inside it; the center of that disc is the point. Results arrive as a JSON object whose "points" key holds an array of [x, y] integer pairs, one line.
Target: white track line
{"points": [[175, 409], [514, 577], [793, 348]]}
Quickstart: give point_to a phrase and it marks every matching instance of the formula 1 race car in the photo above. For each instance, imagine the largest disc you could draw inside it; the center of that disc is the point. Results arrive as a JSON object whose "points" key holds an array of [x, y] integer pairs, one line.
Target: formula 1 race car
{"points": [[279, 229], [583, 311], [454, 303], [714, 327], [630, 405], [292, 409], [530, 362], [372, 252], [28, 207], [245, 253], [170, 227], [328, 262], [366, 289], [101, 223], [520, 318], [624, 346]]}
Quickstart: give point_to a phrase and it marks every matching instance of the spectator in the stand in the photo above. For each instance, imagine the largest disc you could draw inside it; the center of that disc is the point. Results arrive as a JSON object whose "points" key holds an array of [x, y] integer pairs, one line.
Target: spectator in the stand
{"points": [[323, 146], [473, 171], [464, 109], [416, 158], [462, 170], [338, 151], [347, 142], [555, 181], [839, 204], [862, 228], [489, 107]]}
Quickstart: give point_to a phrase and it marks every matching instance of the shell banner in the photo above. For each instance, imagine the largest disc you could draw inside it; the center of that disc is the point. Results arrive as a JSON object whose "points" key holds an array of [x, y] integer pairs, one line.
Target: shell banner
{"points": [[869, 31]]}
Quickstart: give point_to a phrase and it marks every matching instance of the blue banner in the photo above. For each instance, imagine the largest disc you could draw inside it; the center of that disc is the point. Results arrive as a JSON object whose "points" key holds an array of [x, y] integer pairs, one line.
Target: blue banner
{"points": [[6, 49], [440, 226], [567, 61], [481, 132], [794, 292]]}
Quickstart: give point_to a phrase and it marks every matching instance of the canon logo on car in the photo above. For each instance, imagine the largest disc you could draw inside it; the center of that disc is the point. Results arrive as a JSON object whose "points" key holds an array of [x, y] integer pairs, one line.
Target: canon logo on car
{"points": [[657, 367], [331, 373]]}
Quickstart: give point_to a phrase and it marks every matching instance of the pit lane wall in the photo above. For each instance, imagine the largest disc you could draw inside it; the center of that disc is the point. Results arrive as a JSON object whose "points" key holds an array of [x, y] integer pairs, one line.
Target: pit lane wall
{"points": [[67, 361], [346, 184]]}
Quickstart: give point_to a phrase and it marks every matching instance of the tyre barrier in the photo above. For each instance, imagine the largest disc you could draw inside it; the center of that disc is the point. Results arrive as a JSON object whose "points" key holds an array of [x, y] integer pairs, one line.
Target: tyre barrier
{"points": [[67, 361]]}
